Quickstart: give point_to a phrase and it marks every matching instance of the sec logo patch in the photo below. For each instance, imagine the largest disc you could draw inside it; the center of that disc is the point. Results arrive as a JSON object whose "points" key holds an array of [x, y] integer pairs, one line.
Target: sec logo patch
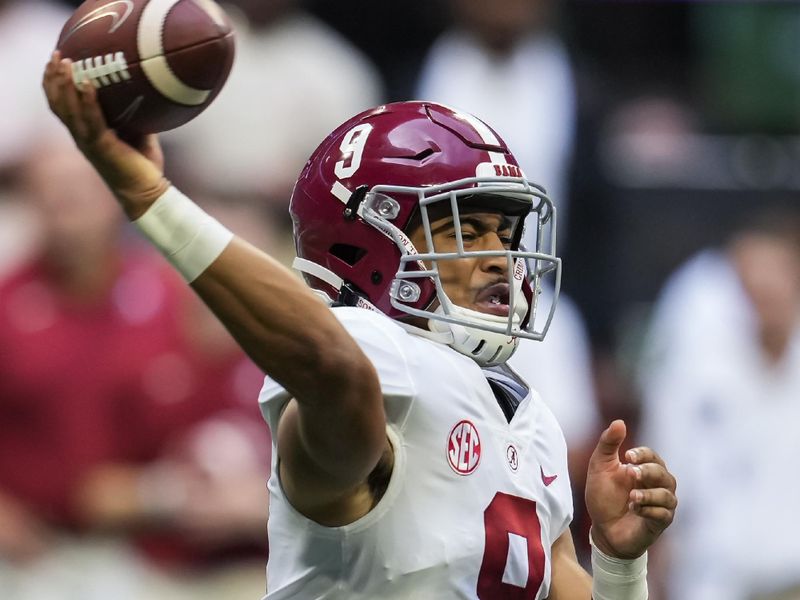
{"points": [[464, 448]]}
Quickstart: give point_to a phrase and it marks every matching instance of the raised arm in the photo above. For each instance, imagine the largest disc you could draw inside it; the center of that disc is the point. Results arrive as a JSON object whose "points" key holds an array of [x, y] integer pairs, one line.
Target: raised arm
{"points": [[333, 435]]}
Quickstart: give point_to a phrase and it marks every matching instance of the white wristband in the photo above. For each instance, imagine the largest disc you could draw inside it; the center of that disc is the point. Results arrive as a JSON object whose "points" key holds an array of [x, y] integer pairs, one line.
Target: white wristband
{"points": [[618, 578], [184, 233]]}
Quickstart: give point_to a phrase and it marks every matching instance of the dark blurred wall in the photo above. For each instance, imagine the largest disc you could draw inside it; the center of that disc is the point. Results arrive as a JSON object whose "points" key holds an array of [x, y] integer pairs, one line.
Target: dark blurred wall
{"points": [[395, 35]]}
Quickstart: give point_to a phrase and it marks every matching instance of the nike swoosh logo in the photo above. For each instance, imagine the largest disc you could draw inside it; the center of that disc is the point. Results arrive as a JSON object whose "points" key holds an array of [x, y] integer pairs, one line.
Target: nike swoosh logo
{"points": [[547, 479], [127, 114], [118, 11]]}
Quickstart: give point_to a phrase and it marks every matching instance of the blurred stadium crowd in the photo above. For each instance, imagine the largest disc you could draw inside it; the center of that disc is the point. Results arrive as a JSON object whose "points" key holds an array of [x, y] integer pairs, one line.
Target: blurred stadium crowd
{"points": [[133, 458]]}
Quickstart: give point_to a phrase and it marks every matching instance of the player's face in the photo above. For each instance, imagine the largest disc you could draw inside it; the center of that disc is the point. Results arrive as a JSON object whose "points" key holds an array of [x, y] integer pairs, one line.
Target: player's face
{"points": [[479, 283]]}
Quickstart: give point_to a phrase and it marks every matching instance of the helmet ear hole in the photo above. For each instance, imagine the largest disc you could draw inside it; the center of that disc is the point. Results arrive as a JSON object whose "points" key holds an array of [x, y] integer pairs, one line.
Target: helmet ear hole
{"points": [[347, 253]]}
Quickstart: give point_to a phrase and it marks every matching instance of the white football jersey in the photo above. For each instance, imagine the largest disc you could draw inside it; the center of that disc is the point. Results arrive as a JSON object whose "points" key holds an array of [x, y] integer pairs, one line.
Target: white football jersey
{"points": [[474, 502]]}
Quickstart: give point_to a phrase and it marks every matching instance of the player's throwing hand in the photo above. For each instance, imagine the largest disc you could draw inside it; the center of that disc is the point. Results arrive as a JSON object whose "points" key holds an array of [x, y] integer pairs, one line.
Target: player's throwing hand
{"points": [[133, 169]]}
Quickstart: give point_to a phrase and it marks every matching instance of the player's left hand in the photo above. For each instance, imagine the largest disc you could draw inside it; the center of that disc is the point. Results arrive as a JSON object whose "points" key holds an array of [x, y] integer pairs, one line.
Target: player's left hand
{"points": [[631, 503]]}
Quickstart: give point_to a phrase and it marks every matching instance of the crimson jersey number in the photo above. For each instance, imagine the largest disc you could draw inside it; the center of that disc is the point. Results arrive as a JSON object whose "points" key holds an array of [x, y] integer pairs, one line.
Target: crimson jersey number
{"points": [[513, 558]]}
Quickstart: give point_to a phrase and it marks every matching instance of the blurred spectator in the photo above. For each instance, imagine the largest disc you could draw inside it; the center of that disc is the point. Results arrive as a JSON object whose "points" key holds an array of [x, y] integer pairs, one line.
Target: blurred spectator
{"points": [[721, 387], [507, 66], [293, 80], [29, 31], [132, 453], [17, 224]]}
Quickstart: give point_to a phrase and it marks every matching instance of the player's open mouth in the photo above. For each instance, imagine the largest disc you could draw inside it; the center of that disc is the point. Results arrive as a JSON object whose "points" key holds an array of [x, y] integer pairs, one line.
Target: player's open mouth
{"points": [[493, 300]]}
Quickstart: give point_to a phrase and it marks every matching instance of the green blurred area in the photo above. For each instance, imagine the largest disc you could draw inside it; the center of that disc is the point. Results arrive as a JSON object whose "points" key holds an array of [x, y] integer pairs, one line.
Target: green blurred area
{"points": [[748, 65]]}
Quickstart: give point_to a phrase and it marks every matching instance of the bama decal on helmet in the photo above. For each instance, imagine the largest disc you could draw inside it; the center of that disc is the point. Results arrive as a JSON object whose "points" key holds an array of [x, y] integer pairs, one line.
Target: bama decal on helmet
{"points": [[488, 169]]}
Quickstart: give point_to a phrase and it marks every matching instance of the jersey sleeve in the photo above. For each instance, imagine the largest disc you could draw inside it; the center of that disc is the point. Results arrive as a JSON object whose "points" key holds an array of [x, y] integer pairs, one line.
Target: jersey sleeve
{"points": [[384, 343]]}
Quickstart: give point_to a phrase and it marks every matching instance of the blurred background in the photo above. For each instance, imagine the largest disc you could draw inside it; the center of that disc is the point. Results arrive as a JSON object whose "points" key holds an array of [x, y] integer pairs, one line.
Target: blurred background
{"points": [[133, 460]]}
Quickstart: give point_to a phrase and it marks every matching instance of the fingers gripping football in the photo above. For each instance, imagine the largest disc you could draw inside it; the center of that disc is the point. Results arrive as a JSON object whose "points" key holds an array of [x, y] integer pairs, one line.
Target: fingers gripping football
{"points": [[134, 171], [76, 106]]}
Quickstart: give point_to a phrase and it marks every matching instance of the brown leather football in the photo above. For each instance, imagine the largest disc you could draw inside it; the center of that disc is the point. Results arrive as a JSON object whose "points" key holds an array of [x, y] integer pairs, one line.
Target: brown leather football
{"points": [[156, 64]]}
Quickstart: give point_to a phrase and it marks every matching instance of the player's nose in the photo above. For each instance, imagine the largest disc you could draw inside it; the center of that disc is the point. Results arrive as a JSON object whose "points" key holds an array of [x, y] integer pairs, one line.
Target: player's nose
{"points": [[496, 263]]}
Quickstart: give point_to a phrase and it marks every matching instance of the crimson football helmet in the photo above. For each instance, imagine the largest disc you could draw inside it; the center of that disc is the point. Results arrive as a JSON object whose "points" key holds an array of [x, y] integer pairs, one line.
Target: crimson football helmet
{"points": [[381, 174]]}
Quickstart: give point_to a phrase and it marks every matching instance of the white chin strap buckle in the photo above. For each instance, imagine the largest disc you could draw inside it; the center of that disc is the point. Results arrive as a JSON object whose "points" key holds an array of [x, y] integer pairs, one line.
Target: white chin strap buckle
{"points": [[487, 348]]}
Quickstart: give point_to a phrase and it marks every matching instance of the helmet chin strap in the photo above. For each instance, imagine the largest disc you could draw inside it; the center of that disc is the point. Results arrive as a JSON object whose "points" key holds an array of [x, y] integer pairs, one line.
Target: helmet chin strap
{"points": [[487, 348]]}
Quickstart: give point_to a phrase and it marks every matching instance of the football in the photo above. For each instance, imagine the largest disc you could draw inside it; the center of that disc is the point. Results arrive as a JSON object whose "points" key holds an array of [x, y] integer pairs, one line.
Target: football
{"points": [[156, 64]]}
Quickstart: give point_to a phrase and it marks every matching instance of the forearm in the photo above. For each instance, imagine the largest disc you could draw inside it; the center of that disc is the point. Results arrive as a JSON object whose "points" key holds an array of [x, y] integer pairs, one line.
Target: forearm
{"points": [[338, 432], [286, 329], [282, 325], [573, 584], [569, 580], [293, 336]]}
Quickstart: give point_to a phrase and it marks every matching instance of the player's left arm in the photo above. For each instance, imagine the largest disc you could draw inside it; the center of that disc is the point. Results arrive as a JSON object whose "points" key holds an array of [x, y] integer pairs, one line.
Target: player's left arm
{"points": [[630, 504], [568, 579]]}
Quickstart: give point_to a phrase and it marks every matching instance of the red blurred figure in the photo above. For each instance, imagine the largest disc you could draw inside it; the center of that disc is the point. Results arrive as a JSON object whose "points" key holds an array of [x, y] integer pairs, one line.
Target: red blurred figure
{"points": [[124, 406]]}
